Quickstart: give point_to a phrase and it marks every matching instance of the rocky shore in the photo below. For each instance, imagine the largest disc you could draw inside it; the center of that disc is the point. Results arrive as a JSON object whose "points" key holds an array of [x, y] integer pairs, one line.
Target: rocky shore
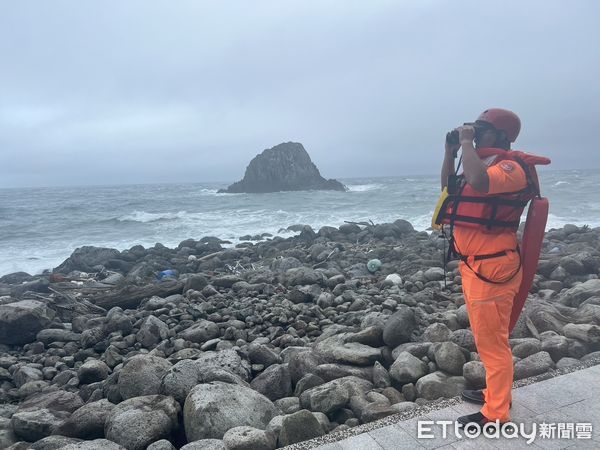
{"points": [[267, 343]]}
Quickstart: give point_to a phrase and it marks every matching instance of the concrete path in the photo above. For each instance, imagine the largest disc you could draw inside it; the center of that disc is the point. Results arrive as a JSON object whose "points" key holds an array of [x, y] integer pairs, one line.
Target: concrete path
{"points": [[573, 398]]}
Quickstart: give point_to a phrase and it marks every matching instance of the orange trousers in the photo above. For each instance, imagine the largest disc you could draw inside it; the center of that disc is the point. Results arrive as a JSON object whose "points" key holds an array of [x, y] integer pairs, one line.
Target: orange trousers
{"points": [[489, 307]]}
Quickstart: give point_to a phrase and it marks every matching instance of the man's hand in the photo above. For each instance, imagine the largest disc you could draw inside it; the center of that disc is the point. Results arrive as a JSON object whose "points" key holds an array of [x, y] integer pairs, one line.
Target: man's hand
{"points": [[452, 149], [466, 133]]}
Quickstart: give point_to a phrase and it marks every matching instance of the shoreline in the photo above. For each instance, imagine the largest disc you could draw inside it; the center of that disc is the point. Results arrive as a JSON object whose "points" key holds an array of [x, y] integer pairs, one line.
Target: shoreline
{"points": [[297, 327]]}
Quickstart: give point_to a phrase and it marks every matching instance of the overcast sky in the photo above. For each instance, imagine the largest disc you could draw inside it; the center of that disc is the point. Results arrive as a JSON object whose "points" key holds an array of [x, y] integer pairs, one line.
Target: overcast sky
{"points": [[103, 92]]}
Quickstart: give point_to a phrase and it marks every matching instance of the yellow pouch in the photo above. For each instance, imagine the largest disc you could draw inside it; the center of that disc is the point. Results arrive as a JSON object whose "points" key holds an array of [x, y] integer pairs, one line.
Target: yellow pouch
{"points": [[437, 211]]}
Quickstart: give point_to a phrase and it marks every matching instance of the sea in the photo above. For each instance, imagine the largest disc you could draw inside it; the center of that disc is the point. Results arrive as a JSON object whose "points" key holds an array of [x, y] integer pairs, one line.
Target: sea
{"points": [[40, 227]]}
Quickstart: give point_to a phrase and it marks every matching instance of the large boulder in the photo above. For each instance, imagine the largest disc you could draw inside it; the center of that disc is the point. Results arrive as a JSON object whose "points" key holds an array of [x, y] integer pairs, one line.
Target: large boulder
{"points": [[88, 421], [229, 360], [335, 394], [213, 408], [86, 259], [200, 332], [142, 375], [407, 368], [299, 426], [343, 348], [248, 438], [183, 376], [152, 332], [399, 327], [140, 421], [285, 167], [449, 357], [96, 444], [274, 383], [581, 292], [535, 364], [438, 384], [21, 321]]}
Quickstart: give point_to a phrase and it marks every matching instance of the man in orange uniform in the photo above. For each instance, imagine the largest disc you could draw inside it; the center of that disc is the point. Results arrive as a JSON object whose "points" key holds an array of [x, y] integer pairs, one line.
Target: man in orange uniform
{"points": [[490, 263]]}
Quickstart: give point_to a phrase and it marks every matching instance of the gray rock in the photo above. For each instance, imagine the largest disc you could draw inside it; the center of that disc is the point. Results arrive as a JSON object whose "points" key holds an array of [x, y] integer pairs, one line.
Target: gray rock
{"points": [[535, 364], [306, 382], [288, 405], [33, 425], [403, 407], [228, 360], [437, 332], [298, 427], [205, 444], [50, 335], [200, 332], [341, 348], [579, 293], [285, 167], [527, 348], [140, 421], [474, 373], [92, 371], [96, 444], [260, 354], [152, 332], [7, 437], [183, 376], [88, 421], [407, 368], [248, 438], [85, 258], [381, 377], [20, 322], [449, 357], [274, 383], [142, 375], [58, 400], [163, 444], [438, 384], [399, 327], [26, 374], [418, 349], [434, 274], [196, 282], [213, 408], [566, 362], [53, 443], [465, 339], [557, 347], [334, 395]]}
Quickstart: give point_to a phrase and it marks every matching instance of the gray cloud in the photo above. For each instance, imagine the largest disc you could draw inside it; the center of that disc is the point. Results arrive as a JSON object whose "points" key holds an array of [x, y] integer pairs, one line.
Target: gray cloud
{"points": [[143, 91]]}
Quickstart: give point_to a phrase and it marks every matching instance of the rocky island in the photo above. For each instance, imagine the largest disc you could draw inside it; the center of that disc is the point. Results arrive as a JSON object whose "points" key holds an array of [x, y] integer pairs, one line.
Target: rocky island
{"points": [[265, 344], [285, 167]]}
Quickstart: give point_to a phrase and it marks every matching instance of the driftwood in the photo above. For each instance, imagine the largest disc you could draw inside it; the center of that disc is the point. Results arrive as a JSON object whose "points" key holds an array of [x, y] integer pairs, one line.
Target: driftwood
{"points": [[130, 296], [583, 332]]}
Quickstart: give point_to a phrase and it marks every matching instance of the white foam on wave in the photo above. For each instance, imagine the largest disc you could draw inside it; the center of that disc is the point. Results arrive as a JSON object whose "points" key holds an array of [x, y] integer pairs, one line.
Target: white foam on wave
{"points": [[145, 217], [364, 187], [558, 183]]}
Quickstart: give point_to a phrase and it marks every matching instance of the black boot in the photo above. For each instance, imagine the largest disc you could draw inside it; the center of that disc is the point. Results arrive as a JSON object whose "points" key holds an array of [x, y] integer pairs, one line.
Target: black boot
{"points": [[475, 396], [476, 420]]}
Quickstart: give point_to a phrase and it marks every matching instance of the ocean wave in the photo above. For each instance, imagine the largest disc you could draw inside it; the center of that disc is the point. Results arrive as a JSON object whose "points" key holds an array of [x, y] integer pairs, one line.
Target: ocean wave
{"points": [[145, 217], [558, 183], [364, 187]]}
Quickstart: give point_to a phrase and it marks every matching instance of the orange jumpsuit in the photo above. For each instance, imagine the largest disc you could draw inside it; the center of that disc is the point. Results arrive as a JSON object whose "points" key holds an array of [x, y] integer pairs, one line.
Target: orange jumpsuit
{"points": [[489, 305]]}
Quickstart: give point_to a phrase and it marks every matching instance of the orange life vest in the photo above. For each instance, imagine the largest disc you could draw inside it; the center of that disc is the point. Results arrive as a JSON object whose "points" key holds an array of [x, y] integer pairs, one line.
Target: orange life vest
{"points": [[491, 213]]}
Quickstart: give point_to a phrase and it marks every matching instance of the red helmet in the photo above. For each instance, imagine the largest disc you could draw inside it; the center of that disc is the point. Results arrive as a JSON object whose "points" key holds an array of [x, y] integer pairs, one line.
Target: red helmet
{"points": [[503, 120]]}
